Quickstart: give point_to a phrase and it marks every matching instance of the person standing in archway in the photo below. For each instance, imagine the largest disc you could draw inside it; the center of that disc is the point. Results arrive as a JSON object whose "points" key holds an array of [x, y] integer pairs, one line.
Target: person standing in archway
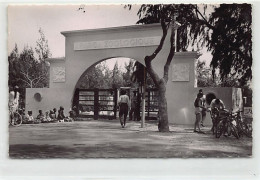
{"points": [[133, 107], [123, 107]]}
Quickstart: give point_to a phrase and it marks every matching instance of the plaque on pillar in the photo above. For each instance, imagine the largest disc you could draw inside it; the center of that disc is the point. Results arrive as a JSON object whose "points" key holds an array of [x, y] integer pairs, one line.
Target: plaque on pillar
{"points": [[181, 72], [58, 74]]}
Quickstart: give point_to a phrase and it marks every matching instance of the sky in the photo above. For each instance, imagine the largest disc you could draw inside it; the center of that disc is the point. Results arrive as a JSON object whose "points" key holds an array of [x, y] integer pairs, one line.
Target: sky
{"points": [[25, 21]]}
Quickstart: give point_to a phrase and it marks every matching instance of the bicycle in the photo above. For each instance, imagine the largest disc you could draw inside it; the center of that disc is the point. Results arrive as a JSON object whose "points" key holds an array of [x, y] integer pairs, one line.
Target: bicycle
{"points": [[227, 124], [243, 128], [15, 118], [214, 113]]}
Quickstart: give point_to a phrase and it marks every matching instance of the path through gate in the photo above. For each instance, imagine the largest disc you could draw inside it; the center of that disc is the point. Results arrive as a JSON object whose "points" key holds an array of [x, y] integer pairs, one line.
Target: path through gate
{"points": [[102, 103], [97, 103]]}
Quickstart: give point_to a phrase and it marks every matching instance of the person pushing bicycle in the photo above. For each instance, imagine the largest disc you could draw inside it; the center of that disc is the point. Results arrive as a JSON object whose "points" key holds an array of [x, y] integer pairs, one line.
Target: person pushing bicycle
{"points": [[218, 111], [13, 103]]}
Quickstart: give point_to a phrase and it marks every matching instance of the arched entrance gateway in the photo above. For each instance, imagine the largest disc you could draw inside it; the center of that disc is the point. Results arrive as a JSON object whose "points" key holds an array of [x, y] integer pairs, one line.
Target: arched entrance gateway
{"points": [[84, 48]]}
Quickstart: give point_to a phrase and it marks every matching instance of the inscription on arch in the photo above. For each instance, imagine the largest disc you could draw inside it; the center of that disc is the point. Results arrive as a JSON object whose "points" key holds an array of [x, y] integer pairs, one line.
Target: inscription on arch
{"points": [[118, 43]]}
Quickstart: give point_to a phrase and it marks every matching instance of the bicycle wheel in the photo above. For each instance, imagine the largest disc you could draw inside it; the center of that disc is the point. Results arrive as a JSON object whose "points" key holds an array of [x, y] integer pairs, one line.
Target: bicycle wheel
{"points": [[234, 130], [240, 128], [245, 129], [17, 119], [219, 129]]}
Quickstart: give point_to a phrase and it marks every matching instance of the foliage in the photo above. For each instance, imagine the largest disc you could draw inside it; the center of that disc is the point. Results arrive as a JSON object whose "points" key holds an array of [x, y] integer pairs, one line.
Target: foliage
{"points": [[116, 77], [42, 48], [100, 76], [231, 42], [25, 70], [127, 75], [224, 29], [196, 28], [205, 77]]}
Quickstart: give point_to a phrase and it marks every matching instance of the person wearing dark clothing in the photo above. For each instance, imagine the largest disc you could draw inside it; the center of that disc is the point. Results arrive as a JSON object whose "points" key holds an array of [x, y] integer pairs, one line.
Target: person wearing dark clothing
{"points": [[138, 107], [123, 107], [133, 108], [54, 113], [61, 115]]}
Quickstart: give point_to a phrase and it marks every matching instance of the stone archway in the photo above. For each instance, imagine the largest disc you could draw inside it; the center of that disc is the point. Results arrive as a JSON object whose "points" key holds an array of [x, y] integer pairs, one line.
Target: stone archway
{"points": [[87, 47]]}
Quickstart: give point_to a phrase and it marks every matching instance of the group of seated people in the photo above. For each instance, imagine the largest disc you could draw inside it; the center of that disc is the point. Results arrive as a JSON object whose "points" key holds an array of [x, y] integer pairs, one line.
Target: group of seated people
{"points": [[49, 116]]}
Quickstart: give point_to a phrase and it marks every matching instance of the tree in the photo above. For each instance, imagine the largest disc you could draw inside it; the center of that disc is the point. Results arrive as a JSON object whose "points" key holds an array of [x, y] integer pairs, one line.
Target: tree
{"points": [[43, 51], [205, 77], [166, 15], [30, 70], [231, 42], [42, 48], [202, 30], [127, 75], [98, 76], [117, 80], [25, 70]]}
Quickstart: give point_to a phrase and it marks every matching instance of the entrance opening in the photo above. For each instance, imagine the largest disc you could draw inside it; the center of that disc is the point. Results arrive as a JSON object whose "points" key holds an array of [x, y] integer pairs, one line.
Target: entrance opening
{"points": [[98, 89]]}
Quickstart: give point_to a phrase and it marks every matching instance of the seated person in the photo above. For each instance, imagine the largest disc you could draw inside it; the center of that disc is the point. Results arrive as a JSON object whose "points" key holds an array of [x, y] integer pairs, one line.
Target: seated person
{"points": [[51, 114], [29, 118], [54, 113], [71, 116], [47, 116], [22, 113], [40, 117], [61, 115]]}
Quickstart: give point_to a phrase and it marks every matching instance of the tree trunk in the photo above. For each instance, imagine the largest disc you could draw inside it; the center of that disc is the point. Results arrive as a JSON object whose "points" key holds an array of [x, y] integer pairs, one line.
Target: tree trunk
{"points": [[163, 125]]}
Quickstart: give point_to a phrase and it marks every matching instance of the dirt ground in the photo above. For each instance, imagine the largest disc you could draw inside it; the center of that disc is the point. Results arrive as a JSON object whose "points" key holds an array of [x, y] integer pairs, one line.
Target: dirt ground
{"points": [[106, 139]]}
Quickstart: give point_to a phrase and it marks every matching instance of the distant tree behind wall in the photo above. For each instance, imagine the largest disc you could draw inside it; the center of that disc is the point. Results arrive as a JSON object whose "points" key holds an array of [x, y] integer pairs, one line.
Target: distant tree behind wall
{"points": [[27, 71]]}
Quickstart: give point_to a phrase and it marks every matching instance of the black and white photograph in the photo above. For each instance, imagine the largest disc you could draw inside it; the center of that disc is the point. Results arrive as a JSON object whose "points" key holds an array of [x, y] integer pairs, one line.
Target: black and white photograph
{"points": [[130, 81]]}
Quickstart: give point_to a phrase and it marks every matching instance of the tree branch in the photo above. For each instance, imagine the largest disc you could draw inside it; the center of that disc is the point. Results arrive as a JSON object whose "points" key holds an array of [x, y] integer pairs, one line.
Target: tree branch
{"points": [[159, 48], [219, 31], [148, 59], [170, 56], [25, 75], [39, 78], [26, 82]]}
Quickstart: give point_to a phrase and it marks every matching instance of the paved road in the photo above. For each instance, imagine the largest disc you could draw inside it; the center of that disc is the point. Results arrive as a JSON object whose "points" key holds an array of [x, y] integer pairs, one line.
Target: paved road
{"points": [[106, 139]]}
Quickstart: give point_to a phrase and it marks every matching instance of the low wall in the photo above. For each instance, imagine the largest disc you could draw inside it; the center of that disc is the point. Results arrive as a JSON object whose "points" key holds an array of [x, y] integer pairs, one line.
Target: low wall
{"points": [[50, 98], [180, 105]]}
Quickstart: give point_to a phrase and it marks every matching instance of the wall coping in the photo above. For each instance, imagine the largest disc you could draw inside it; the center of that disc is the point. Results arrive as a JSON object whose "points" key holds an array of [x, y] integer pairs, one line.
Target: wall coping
{"points": [[192, 54], [111, 29], [51, 60]]}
